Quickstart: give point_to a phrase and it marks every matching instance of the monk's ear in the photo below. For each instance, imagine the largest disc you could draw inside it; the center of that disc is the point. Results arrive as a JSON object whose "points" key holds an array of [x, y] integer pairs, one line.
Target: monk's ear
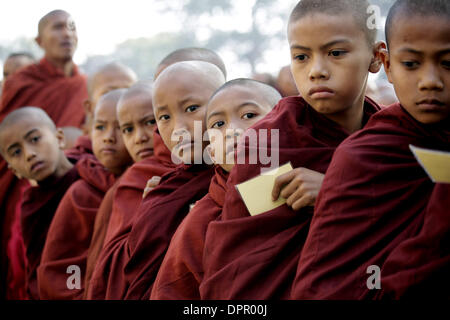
{"points": [[87, 105], [38, 40], [61, 139], [375, 64], [385, 57]]}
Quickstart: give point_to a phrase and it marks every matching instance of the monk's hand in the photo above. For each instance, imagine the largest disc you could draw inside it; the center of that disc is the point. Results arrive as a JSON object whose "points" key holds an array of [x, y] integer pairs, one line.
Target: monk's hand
{"points": [[151, 184], [299, 187]]}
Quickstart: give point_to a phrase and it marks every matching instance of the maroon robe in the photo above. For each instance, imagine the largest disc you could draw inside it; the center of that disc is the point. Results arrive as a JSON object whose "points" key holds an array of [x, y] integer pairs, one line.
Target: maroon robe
{"points": [[126, 200], [39, 85], [83, 145], [419, 267], [98, 234], [255, 257], [156, 220], [38, 208], [374, 200], [181, 271], [70, 232]]}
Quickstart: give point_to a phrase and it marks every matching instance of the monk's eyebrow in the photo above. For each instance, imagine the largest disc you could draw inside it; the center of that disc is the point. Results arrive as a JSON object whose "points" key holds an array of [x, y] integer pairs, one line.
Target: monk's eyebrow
{"points": [[216, 113], [335, 42], [299, 47], [24, 137], [161, 108], [410, 50], [30, 133]]}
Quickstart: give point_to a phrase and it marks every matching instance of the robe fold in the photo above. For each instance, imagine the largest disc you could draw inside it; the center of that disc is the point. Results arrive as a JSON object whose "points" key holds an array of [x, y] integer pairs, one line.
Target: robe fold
{"points": [[98, 234], [40, 85], [83, 146], [126, 201], [38, 208], [181, 271], [255, 257], [373, 205], [70, 232], [419, 267], [156, 220]]}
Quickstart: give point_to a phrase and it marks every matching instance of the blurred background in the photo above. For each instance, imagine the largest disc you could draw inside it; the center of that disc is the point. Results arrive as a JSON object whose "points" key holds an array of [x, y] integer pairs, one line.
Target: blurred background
{"points": [[250, 35]]}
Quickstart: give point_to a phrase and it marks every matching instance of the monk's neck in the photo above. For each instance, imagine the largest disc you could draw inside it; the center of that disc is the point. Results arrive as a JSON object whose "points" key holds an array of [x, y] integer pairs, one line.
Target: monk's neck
{"points": [[64, 166], [65, 66], [351, 118]]}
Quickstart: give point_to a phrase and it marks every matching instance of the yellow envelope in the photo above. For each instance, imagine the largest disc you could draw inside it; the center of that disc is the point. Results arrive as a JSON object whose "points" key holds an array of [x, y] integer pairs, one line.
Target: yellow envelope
{"points": [[436, 163], [257, 192]]}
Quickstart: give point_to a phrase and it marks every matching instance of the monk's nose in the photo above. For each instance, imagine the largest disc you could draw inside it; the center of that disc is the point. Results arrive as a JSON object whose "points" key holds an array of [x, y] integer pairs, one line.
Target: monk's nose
{"points": [[430, 79]]}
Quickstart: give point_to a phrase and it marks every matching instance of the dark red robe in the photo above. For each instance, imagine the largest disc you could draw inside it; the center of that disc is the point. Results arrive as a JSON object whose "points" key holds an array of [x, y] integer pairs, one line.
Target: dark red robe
{"points": [[255, 257], [44, 86], [374, 200], [419, 267], [98, 234], [70, 232], [38, 208], [83, 145], [156, 220], [39, 85], [127, 199], [181, 271]]}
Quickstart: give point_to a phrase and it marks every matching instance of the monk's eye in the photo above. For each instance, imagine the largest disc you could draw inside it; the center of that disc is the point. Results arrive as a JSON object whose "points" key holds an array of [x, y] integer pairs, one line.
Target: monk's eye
{"points": [[150, 122], [410, 64], [192, 108], [127, 130], [249, 115], [16, 152], [35, 139], [100, 127], [164, 117], [300, 57], [337, 53], [446, 64], [218, 124]]}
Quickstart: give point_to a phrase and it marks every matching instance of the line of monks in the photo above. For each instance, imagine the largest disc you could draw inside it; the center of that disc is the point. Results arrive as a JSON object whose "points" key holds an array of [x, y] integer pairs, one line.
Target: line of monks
{"points": [[93, 205]]}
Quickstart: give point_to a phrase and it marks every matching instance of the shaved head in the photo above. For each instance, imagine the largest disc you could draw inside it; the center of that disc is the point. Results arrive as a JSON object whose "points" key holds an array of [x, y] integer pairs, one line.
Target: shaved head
{"points": [[267, 92], [110, 71], [209, 71], [141, 88], [33, 113], [410, 8], [110, 97], [356, 8], [191, 54], [44, 20]]}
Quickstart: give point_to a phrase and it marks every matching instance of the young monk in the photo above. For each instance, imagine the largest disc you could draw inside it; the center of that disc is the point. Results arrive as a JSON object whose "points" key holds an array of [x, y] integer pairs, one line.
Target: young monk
{"points": [[233, 108], [180, 95], [138, 174], [32, 147], [14, 62], [55, 85], [151, 157], [71, 229], [255, 257], [378, 212], [108, 77]]}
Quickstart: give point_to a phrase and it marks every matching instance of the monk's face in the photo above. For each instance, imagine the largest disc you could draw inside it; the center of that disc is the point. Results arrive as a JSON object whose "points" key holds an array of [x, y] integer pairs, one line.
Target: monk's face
{"points": [[59, 37], [137, 124], [107, 142], [418, 65], [179, 102], [330, 61], [14, 64], [231, 112], [32, 150]]}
